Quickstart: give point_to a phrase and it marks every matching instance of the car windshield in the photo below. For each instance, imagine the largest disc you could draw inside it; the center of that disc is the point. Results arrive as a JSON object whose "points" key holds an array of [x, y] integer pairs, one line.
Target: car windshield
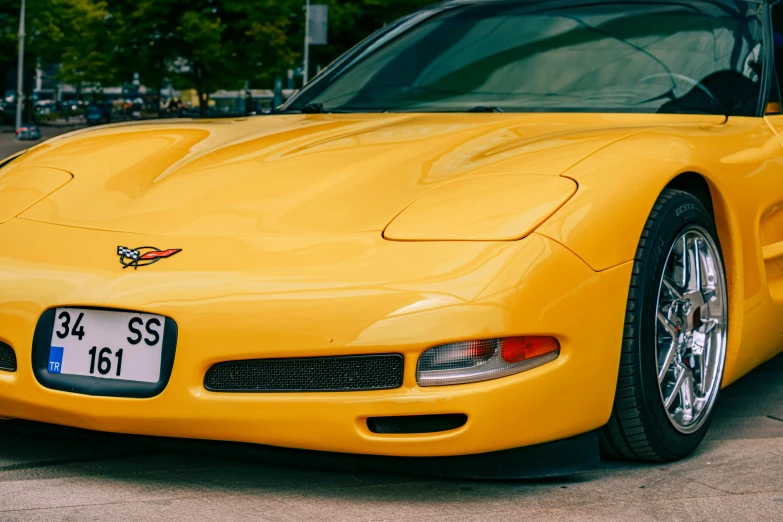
{"points": [[674, 57]]}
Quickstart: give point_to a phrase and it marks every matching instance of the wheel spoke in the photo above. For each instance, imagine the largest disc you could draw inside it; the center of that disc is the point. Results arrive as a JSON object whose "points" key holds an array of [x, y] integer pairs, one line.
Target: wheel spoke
{"points": [[709, 325], [676, 391], [670, 328], [687, 393], [672, 288], [684, 262], [704, 367], [667, 362], [708, 295], [694, 279]]}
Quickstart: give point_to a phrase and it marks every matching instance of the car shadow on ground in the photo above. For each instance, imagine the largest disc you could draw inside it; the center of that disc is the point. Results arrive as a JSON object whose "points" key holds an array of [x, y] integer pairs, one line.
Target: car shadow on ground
{"points": [[165, 470]]}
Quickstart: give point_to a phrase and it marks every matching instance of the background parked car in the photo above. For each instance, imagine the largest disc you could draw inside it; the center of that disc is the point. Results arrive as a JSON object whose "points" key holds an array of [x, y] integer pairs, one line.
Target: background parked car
{"points": [[28, 132], [98, 114]]}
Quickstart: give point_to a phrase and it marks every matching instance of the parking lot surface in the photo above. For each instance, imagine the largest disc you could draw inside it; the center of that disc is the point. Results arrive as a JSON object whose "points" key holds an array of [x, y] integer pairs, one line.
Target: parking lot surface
{"points": [[9, 145], [51, 474]]}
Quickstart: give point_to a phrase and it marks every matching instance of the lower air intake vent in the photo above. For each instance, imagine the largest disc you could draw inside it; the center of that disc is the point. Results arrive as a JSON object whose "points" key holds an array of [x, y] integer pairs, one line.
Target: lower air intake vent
{"points": [[351, 373], [417, 423], [7, 358]]}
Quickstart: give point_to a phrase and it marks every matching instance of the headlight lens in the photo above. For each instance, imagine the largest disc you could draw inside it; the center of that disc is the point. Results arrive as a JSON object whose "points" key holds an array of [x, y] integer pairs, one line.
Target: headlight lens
{"points": [[503, 207], [22, 187], [474, 361]]}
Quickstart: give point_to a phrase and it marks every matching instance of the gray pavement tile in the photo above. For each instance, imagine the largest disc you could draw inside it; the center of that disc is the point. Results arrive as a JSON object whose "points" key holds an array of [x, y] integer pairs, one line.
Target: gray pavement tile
{"points": [[728, 428], [758, 508], [736, 467], [9, 145], [773, 365], [756, 395], [737, 474], [163, 477], [23, 496], [18, 453], [435, 498], [759, 401], [769, 445]]}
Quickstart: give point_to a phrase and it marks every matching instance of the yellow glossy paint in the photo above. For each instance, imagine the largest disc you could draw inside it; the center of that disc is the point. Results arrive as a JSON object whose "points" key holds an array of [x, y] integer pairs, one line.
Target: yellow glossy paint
{"points": [[457, 211], [21, 188], [510, 224], [283, 175], [741, 160]]}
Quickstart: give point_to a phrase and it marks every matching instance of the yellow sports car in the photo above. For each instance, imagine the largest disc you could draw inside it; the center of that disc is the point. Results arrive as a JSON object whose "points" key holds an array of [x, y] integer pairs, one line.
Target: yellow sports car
{"points": [[496, 233]]}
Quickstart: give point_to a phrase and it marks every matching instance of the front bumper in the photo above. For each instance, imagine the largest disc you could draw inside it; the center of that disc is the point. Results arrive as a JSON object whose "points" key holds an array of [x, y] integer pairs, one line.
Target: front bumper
{"points": [[304, 298]]}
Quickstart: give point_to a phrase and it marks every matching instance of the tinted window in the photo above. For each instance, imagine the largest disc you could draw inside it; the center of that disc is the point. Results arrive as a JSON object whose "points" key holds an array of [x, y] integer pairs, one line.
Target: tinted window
{"points": [[517, 56], [777, 28]]}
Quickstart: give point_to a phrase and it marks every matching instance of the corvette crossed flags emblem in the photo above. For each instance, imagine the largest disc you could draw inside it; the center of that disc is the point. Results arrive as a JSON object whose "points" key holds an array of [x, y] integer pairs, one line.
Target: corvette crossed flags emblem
{"points": [[143, 256]]}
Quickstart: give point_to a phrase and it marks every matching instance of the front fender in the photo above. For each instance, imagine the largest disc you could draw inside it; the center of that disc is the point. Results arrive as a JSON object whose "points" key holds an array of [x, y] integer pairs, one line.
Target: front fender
{"points": [[619, 186], [741, 161]]}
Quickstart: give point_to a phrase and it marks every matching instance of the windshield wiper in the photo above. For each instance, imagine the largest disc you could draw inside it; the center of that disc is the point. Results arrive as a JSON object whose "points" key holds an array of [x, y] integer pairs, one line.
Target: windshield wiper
{"points": [[435, 109], [689, 110], [482, 108], [318, 108], [313, 108]]}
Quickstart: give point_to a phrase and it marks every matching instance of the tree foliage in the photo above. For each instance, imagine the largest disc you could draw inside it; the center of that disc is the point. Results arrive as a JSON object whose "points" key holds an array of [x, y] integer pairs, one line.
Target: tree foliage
{"points": [[200, 44]]}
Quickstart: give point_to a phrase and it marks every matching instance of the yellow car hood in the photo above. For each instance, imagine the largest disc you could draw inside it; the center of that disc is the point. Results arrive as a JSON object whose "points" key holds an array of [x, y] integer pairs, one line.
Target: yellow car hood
{"points": [[284, 175]]}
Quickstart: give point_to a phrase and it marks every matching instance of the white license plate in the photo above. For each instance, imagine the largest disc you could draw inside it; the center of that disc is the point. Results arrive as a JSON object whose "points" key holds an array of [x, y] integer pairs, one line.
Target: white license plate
{"points": [[109, 345]]}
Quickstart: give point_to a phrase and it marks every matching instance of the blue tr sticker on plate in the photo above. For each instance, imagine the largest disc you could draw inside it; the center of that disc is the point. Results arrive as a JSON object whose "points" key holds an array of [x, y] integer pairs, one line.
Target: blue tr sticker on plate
{"points": [[55, 359]]}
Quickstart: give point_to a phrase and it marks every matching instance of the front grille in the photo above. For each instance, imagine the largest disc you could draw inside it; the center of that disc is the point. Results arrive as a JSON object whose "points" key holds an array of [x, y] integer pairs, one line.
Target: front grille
{"points": [[350, 373], [7, 358]]}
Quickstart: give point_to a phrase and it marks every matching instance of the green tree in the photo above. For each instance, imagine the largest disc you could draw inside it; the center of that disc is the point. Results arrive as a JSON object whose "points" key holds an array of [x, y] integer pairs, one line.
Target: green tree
{"points": [[187, 42], [269, 34], [143, 34], [206, 50], [70, 32], [266, 36], [204, 44], [81, 43], [9, 23], [44, 22], [351, 21]]}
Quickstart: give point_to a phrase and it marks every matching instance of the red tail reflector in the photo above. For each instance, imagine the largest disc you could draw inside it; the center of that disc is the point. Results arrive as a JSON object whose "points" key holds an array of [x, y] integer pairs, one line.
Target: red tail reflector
{"points": [[518, 349]]}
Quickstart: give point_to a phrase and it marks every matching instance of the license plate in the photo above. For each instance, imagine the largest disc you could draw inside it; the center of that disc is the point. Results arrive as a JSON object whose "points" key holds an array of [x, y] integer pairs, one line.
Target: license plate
{"points": [[109, 345]]}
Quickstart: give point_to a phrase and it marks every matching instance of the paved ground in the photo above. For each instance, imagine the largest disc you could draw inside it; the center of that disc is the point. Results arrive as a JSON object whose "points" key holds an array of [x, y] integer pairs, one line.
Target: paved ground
{"points": [[49, 475], [9, 145]]}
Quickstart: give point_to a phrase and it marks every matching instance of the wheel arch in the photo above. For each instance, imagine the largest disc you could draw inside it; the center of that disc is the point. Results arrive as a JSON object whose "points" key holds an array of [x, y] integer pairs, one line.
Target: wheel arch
{"points": [[706, 190], [604, 221], [696, 185]]}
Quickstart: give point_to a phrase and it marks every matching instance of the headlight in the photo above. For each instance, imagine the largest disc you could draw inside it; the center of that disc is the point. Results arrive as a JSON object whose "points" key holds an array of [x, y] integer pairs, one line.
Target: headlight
{"points": [[474, 361], [23, 187], [503, 207]]}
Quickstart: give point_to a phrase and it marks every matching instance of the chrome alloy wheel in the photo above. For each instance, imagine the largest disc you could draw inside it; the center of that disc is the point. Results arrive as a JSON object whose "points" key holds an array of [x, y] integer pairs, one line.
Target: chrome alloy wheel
{"points": [[691, 329]]}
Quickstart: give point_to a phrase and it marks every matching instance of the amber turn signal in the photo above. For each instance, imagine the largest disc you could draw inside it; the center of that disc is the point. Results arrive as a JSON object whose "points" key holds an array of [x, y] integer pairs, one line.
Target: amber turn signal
{"points": [[483, 360], [518, 349]]}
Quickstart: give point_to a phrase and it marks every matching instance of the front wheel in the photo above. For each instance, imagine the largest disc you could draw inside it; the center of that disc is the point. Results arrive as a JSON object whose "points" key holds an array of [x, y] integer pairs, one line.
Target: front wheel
{"points": [[674, 345]]}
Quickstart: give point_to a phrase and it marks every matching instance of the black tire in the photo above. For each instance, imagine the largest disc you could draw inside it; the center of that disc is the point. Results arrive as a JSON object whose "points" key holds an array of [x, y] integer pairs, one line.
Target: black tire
{"points": [[639, 427]]}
